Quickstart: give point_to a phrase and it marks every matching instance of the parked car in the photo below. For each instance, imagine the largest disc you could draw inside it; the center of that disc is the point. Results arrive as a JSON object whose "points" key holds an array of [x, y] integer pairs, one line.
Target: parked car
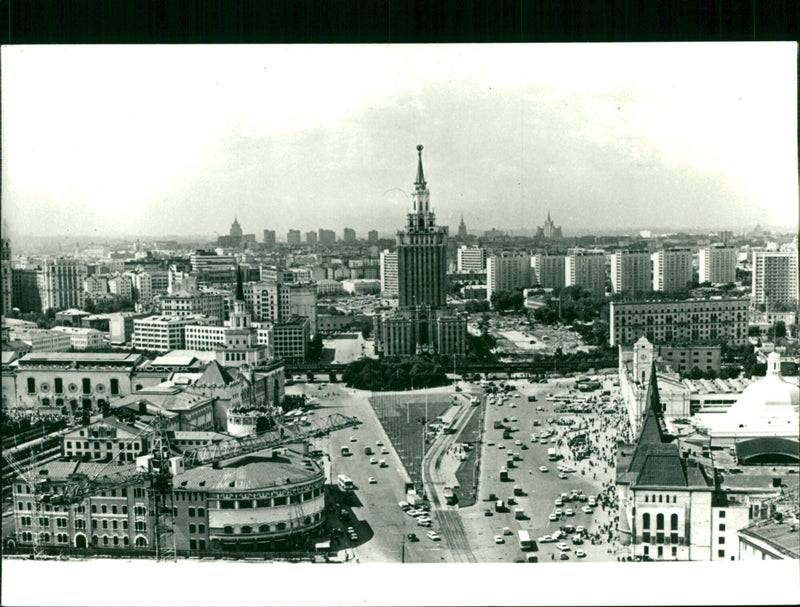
{"points": [[372, 480], [412, 537], [433, 535], [498, 539], [587, 510], [542, 468], [580, 553], [563, 547]]}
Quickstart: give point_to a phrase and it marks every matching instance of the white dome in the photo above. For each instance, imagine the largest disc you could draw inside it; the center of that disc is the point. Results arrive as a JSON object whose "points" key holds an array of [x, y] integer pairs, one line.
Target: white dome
{"points": [[768, 401]]}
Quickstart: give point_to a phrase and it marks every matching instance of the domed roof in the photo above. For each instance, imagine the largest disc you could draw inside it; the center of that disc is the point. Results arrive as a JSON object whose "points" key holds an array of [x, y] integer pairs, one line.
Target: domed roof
{"points": [[771, 400]]}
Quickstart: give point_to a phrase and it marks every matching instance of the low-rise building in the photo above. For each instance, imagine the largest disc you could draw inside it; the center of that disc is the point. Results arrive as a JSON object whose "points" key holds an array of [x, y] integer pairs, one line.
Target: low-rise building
{"points": [[80, 338], [165, 333], [291, 338], [769, 540], [683, 359], [361, 286]]}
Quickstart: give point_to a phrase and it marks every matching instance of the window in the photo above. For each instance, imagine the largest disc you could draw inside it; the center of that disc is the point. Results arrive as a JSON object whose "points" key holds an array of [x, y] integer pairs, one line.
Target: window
{"points": [[103, 509], [646, 499], [721, 514], [646, 521], [280, 526], [201, 528], [116, 541], [125, 541], [722, 526], [140, 526], [105, 524], [59, 385], [202, 544], [105, 540], [94, 524], [124, 510], [659, 521], [674, 552], [31, 385], [80, 524], [721, 553], [114, 386], [114, 524], [201, 512], [647, 550], [191, 511], [192, 528], [659, 498], [192, 544], [247, 529], [673, 522], [721, 540], [227, 530], [227, 504], [125, 525]]}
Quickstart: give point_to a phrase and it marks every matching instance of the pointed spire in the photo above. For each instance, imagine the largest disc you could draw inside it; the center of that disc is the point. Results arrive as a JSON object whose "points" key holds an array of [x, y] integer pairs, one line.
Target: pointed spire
{"points": [[420, 175], [239, 287], [653, 400], [548, 216]]}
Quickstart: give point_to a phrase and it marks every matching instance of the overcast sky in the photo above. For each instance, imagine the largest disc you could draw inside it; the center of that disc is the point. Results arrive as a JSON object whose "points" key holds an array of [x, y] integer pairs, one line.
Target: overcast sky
{"points": [[180, 139]]}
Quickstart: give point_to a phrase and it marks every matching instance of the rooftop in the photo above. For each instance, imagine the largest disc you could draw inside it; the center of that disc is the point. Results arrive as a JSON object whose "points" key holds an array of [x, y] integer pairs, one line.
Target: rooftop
{"points": [[784, 537], [251, 472]]}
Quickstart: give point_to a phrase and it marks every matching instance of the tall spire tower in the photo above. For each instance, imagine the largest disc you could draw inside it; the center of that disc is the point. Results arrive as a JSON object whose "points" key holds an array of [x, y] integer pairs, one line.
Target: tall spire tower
{"points": [[422, 252]]}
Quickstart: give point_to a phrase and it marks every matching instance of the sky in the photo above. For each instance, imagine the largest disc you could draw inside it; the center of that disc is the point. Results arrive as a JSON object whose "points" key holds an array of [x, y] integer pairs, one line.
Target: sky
{"points": [[179, 140]]}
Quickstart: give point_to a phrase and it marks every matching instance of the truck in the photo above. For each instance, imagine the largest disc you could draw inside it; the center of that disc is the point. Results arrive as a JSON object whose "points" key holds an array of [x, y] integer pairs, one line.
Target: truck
{"points": [[449, 496], [551, 454], [498, 424], [525, 541], [503, 474]]}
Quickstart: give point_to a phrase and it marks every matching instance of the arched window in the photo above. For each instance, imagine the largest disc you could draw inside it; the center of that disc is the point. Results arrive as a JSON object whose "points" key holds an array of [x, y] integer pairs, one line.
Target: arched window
{"points": [[227, 529], [660, 498], [646, 521], [659, 521], [247, 529], [116, 541], [141, 542], [646, 499], [280, 526], [654, 498], [125, 541], [673, 522], [263, 529], [105, 540], [113, 509], [674, 499]]}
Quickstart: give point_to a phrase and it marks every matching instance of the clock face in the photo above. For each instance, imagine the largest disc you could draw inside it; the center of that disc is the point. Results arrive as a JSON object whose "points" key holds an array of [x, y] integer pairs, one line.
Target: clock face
{"points": [[642, 356]]}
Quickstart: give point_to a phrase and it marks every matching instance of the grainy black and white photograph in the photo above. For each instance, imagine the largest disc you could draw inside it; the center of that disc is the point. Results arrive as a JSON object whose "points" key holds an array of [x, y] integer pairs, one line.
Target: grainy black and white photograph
{"points": [[268, 308]]}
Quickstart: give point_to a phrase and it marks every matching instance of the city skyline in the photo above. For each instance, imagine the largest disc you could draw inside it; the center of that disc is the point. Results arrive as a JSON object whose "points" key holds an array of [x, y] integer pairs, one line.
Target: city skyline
{"points": [[605, 138]]}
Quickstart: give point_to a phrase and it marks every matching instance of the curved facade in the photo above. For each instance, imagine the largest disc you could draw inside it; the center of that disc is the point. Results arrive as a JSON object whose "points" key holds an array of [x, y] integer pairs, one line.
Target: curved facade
{"points": [[262, 501]]}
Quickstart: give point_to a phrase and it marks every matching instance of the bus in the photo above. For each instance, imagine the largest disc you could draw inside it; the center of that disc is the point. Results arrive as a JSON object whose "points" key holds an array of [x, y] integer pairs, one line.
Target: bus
{"points": [[449, 496], [551, 454], [525, 541], [346, 483]]}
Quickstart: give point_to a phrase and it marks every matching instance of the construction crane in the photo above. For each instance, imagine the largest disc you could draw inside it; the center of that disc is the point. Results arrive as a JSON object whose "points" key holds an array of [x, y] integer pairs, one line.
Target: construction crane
{"points": [[158, 472]]}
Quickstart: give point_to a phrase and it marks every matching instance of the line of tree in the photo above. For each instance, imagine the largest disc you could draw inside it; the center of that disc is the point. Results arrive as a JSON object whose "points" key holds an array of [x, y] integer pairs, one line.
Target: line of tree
{"points": [[395, 373]]}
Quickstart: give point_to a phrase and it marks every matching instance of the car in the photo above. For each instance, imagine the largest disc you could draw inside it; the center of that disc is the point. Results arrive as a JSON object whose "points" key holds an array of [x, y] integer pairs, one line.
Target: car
{"points": [[564, 556], [372, 480], [587, 510], [415, 513], [433, 535], [354, 537], [513, 419], [499, 539], [412, 537], [510, 453], [384, 450], [559, 512], [424, 522], [513, 405], [353, 439], [518, 442], [490, 443], [580, 529], [559, 502], [569, 512], [562, 476], [383, 464], [544, 440], [563, 547], [351, 530], [580, 553], [592, 500], [545, 539], [373, 460], [379, 443], [582, 498], [488, 512], [540, 408], [542, 468], [404, 505], [524, 447], [553, 516], [501, 446], [577, 539], [507, 531], [534, 439]]}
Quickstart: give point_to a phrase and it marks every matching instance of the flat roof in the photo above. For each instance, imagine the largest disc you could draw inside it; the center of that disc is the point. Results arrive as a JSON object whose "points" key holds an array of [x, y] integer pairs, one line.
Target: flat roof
{"points": [[80, 357], [778, 536]]}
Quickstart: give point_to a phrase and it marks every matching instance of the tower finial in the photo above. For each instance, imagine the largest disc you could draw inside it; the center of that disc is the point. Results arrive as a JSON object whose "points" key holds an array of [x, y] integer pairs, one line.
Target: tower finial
{"points": [[420, 175]]}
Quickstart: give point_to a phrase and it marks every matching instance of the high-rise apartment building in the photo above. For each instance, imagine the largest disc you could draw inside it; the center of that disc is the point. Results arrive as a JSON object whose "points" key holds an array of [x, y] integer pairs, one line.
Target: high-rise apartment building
{"points": [[470, 259], [60, 283], [506, 272], [717, 265], [630, 272], [422, 322], [25, 290], [349, 235], [326, 236], [121, 285], [293, 237], [672, 270], [586, 269], [142, 285], [211, 268], [549, 271], [7, 283], [389, 273], [372, 236], [311, 238], [775, 277], [269, 238]]}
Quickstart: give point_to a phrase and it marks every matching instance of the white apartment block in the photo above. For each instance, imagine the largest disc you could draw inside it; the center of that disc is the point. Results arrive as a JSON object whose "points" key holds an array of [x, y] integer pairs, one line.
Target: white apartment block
{"points": [[60, 282], [672, 270], [262, 300], [41, 340], [331, 287], [506, 272], [95, 286], [389, 285], [717, 265], [471, 259], [630, 272], [163, 333], [142, 285], [775, 276], [189, 303], [82, 338], [120, 284], [586, 269]]}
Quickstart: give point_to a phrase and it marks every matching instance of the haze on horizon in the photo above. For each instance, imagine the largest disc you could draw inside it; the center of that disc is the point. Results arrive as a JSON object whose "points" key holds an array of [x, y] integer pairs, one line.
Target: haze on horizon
{"points": [[160, 140]]}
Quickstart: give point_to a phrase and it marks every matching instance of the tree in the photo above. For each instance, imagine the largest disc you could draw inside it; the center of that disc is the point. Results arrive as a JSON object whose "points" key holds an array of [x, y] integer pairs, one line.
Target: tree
{"points": [[780, 329], [474, 306], [753, 331], [505, 301]]}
